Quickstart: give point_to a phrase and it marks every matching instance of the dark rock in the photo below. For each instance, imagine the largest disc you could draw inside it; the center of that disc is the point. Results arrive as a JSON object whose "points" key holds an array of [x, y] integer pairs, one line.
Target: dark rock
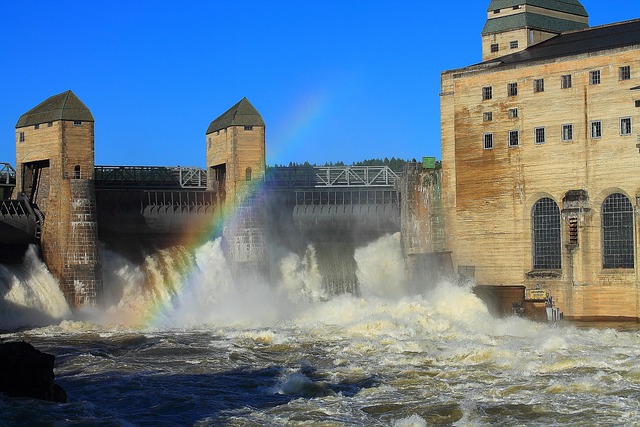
{"points": [[27, 372]]}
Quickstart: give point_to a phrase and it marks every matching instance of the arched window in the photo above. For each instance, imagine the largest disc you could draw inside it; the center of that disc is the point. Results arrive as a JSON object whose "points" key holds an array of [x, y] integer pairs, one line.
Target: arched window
{"points": [[76, 172], [248, 174], [545, 224], [617, 232]]}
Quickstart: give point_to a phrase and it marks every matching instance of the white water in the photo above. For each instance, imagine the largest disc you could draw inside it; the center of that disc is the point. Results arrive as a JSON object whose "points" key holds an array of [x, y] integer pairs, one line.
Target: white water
{"points": [[437, 357]]}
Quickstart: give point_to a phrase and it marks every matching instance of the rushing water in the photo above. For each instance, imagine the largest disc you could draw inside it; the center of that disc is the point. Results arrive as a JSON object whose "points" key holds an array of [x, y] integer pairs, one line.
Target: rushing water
{"points": [[180, 344]]}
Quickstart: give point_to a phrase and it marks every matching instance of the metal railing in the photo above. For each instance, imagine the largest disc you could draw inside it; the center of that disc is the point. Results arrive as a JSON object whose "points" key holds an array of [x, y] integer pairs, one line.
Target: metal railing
{"points": [[7, 175], [150, 177], [331, 176]]}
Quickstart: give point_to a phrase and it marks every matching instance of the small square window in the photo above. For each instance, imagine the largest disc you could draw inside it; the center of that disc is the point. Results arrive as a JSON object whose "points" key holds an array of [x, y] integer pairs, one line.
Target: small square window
{"points": [[21, 136], [567, 132], [625, 72], [36, 126], [514, 138], [496, 11], [487, 116], [594, 77], [539, 135], [513, 44], [596, 129], [488, 141], [512, 89], [538, 85], [49, 124], [77, 123], [486, 93], [565, 81], [625, 126], [248, 128], [513, 113], [494, 47]]}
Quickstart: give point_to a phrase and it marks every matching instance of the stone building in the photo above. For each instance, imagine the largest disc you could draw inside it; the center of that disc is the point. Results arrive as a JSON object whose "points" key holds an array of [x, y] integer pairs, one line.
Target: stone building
{"points": [[54, 169], [540, 160]]}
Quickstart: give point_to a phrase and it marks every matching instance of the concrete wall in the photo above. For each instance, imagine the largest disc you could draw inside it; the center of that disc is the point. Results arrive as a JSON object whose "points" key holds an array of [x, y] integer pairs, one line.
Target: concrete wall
{"points": [[489, 194]]}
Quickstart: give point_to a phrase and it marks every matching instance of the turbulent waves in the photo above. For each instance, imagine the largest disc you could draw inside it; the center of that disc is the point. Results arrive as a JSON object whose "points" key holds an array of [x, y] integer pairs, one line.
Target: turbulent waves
{"points": [[180, 344]]}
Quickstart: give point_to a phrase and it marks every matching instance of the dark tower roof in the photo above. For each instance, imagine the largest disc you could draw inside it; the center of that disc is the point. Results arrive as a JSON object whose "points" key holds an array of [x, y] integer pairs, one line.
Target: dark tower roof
{"points": [[546, 20], [63, 106], [241, 114]]}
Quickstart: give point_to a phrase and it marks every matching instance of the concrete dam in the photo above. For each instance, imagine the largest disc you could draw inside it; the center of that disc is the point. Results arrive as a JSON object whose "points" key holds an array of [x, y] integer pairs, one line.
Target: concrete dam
{"points": [[58, 198]]}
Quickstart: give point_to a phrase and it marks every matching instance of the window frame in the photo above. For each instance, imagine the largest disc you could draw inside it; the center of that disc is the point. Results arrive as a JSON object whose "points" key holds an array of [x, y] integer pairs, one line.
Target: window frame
{"points": [[538, 85], [598, 123], [487, 116], [512, 113], [487, 141], [594, 77], [624, 73], [565, 81], [21, 137], [546, 235], [512, 89], [567, 137], [513, 44], [617, 232], [630, 130], [536, 135], [495, 47], [510, 139], [487, 93], [77, 123]]}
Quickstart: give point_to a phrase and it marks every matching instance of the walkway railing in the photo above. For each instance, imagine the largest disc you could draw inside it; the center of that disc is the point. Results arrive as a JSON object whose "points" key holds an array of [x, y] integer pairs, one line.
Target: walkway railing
{"points": [[150, 177], [331, 176]]}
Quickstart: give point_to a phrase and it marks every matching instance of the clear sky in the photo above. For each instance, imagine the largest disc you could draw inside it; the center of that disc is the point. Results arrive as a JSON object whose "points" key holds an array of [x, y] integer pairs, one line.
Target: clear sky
{"points": [[334, 80]]}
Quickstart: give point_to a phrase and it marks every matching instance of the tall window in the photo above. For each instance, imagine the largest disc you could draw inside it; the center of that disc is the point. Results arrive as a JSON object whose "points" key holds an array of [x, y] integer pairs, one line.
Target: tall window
{"points": [[488, 141], [514, 138], [486, 92], [567, 132], [545, 222], [594, 77], [76, 172], [538, 85], [625, 72], [565, 81], [596, 129], [512, 89], [625, 126], [539, 136], [247, 174], [21, 135], [494, 46], [617, 232]]}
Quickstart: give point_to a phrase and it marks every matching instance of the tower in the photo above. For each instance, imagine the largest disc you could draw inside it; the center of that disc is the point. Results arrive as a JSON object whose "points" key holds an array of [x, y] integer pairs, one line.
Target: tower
{"points": [[235, 169], [54, 169], [514, 25], [236, 151]]}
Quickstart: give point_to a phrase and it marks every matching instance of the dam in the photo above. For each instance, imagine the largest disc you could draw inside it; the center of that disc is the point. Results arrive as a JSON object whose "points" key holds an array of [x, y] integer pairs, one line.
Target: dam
{"points": [[58, 198]]}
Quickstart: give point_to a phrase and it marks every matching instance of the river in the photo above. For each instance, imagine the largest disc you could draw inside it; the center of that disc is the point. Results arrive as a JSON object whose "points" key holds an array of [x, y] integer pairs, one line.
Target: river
{"points": [[178, 343]]}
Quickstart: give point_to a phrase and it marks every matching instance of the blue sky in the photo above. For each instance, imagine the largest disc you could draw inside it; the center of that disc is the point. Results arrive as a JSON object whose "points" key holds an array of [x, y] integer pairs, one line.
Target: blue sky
{"points": [[334, 80]]}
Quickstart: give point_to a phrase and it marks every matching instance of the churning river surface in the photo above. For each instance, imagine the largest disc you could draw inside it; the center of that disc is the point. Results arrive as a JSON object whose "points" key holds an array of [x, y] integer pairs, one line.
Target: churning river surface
{"points": [[179, 343]]}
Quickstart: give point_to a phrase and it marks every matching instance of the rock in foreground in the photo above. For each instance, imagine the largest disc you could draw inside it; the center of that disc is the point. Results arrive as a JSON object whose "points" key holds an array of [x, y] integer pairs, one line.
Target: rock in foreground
{"points": [[27, 372]]}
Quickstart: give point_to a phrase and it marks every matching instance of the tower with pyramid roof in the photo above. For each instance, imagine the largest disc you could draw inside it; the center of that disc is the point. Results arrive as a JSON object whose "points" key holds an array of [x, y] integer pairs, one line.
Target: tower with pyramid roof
{"points": [[514, 25], [55, 170]]}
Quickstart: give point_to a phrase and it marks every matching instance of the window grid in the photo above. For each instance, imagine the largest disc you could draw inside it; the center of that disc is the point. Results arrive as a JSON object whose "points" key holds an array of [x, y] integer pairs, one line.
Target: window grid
{"points": [[513, 44], [547, 248], [538, 85], [565, 81], [539, 135], [567, 132], [486, 92], [617, 232], [594, 77], [513, 113], [488, 141], [625, 126], [512, 89], [494, 47], [596, 129], [514, 138], [625, 72], [487, 116]]}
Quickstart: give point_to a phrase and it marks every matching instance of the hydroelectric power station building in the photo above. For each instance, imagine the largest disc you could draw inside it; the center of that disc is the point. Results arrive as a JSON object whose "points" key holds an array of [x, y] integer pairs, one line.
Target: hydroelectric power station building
{"points": [[540, 158]]}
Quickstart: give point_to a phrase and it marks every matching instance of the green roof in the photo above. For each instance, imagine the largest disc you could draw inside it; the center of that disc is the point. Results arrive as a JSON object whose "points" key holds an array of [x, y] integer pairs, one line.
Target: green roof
{"points": [[63, 106], [241, 114], [531, 20], [573, 7]]}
